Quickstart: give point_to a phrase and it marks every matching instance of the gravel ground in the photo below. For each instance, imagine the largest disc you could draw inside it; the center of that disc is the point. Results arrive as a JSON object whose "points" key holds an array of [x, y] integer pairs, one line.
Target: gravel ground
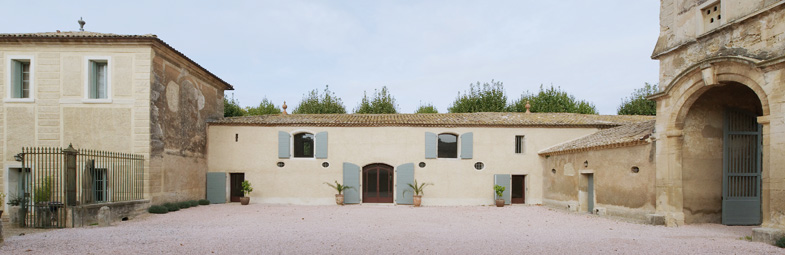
{"points": [[371, 229]]}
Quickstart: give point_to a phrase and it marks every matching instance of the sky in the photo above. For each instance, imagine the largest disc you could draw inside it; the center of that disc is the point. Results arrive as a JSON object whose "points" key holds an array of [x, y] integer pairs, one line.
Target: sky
{"points": [[425, 52]]}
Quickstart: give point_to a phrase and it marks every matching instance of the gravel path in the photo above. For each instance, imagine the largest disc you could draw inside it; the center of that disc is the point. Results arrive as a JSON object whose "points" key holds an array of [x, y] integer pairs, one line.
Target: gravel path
{"points": [[370, 229]]}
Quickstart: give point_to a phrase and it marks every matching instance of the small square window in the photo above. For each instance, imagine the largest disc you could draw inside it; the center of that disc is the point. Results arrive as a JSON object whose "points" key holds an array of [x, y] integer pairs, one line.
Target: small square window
{"points": [[520, 144]]}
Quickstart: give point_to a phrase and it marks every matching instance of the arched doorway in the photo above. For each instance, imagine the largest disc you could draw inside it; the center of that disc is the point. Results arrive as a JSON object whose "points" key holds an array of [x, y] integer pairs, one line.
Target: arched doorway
{"points": [[721, 157], [377, 183]]}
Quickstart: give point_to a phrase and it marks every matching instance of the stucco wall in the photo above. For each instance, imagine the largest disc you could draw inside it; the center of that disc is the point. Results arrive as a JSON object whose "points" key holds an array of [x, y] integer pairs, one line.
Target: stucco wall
{"points": [[183, 99], [616, 188], [456, 182], [59, 115]]}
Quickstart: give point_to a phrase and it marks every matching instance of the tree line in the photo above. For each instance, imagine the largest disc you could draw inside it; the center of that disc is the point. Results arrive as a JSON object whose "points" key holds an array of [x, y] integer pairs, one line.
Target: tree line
{"points": [[481, 97]]}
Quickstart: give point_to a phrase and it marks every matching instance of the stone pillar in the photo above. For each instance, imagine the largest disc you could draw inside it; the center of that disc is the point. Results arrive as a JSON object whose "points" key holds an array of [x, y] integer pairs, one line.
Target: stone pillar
{"points": [[670, 196], [104, 216]]}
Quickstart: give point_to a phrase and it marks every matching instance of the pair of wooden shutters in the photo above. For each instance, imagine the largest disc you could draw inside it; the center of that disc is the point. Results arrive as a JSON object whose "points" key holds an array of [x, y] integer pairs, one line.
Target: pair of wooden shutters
{"points": [[284, 145], [404, 175], [432, 145]]}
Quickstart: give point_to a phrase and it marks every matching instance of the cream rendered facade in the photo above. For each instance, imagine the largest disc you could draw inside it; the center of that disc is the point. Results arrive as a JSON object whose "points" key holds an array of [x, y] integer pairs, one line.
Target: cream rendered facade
{"points": [[144, 74], [253, 151], [708, 65]]}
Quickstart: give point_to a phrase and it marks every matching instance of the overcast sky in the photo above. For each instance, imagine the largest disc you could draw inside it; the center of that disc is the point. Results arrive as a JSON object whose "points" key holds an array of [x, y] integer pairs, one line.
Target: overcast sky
{"points": [[423, 51]]}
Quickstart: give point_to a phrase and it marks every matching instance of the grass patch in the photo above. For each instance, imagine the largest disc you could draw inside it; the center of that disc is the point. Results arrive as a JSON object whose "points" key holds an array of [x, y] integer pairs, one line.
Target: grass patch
{"points": [[158, 209], [204, 202]]}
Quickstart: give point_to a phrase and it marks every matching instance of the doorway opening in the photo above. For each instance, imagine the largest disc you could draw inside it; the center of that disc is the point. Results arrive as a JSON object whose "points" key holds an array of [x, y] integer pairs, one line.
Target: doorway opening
{"points": [[377, 183], [518, 189], [236, 186]]}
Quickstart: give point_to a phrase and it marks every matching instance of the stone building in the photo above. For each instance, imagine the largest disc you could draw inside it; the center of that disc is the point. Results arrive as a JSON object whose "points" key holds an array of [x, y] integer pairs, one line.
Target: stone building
{"points": [[721, 112], [122, 93], [288, 158]]}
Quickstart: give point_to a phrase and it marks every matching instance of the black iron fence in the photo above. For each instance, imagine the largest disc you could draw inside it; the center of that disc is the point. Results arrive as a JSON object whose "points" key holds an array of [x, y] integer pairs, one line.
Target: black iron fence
{"points": [[52, 180]]}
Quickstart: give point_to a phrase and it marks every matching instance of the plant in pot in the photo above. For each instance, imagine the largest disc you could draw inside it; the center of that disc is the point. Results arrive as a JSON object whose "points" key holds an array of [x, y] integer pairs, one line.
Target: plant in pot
{"points": [[340, 188], [417, 189], [17, 212], [499, 192], [246, 188]]}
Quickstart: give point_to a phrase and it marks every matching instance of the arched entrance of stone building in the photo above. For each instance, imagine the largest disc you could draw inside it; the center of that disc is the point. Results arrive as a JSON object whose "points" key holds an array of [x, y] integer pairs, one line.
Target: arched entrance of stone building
{"points": [[721, 156], [377, 183]]}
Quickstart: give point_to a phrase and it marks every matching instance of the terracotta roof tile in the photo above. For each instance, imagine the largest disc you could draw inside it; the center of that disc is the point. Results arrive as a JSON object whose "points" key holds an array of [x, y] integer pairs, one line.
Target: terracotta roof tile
{"points": [[626, 135], [485, 119]]}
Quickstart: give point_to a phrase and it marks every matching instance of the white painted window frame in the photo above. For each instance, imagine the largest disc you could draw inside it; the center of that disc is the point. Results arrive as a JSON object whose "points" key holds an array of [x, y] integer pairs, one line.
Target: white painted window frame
{"points": [[9, 62], [86, 92]]}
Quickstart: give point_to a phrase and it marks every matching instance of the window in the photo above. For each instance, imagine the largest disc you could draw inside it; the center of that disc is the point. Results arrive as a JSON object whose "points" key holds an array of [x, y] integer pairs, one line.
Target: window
{"points": [[98, 82], [20, 79], [303, 145], [712, 15], [448, 146], [520, 144], [99, 184]]}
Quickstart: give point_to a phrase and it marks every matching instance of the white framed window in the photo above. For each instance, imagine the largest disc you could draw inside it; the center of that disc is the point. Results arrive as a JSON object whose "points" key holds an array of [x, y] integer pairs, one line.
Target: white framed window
{"points": [[447, 146], [304, 145], [21, 79], [98, 80]]}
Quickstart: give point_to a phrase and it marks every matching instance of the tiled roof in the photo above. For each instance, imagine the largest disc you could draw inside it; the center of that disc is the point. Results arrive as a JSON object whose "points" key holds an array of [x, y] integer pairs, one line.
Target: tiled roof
{"points": [[87, 36], [485, 119], [627, 135]]}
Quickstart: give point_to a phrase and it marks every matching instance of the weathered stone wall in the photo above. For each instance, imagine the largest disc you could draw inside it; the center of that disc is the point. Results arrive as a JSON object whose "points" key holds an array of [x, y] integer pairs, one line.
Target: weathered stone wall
{"points": [[183, 98], [616, 188]]}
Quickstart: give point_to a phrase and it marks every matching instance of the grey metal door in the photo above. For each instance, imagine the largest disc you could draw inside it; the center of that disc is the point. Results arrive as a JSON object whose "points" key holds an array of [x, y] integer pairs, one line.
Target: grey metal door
{"points": [[741, 168], [504, 181], [590, 192], [216, 187]]}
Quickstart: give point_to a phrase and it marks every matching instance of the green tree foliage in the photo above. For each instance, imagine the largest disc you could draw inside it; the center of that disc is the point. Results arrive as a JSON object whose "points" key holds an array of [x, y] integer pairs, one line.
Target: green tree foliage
{"points": [[637, 104], [382, 102], [552, 100], [486, 97], [265, 107], [426, 108], [232, 107], [313, 103]]}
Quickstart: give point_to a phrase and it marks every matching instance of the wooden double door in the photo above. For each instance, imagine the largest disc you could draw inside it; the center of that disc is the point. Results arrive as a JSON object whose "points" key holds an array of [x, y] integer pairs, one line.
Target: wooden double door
{"points": [[378, 183], [236, 186]]}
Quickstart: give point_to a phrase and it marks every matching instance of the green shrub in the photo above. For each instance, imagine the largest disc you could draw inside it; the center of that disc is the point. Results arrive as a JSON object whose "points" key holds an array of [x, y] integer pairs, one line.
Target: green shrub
{"points": [[184, 204], [193, 203], [780, 242], [172, 207], [158, 209], [204, 202]]}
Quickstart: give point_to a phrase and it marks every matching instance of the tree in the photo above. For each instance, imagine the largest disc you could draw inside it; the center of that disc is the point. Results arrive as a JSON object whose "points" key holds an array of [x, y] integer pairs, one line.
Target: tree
{"points": [[382, 102], [232, 107], [313, 103], [265, 107], [637, 104], [426, 108], [552, 100], [486, 97]]}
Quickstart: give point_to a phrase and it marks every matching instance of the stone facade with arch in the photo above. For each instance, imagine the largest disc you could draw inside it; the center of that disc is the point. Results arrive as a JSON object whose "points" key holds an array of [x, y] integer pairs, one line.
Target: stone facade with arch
{"points": [[735, 64]]}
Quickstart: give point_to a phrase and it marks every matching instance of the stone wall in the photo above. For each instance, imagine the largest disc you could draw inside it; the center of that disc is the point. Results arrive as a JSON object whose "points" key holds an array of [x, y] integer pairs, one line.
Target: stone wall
{"points": [[183, 99]]}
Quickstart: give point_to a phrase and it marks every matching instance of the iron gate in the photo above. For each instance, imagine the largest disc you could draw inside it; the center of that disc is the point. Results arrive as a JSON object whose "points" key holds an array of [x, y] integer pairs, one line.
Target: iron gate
{"points": [[741, 161]]}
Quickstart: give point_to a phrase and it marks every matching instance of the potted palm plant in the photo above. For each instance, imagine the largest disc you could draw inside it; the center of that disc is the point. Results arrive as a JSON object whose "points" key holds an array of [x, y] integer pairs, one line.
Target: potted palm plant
{"points": [[246, 188], [417, 189], [499, 192], [340, 188]]}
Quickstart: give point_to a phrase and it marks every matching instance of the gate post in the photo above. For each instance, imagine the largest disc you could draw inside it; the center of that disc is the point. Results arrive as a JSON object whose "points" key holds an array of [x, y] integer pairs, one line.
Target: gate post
{"points": [[70, 175]]}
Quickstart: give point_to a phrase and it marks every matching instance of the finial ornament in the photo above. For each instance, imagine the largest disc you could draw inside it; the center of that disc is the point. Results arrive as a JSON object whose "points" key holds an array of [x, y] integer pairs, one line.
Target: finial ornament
{"points": [[81, 24], [528, 106], [284, 108]]}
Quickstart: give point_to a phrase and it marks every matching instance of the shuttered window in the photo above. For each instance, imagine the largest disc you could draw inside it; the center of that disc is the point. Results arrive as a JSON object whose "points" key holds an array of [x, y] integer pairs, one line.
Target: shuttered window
{"points": [[20, 79], [448, 146], [303, 145], [98, 79], [519, 144]]}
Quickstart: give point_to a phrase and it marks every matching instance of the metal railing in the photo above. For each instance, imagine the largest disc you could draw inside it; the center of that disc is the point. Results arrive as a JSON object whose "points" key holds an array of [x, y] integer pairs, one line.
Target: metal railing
{"points": [[53, 179]]}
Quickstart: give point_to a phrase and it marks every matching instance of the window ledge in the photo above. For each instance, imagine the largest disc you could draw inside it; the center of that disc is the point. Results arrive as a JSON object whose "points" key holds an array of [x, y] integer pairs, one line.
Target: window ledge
{"points": [[97, 101], [18, 100]]}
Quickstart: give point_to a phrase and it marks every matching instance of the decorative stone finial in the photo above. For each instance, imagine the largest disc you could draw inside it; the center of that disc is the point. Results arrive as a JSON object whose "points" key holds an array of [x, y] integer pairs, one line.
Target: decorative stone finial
{"points": [[528, 106], [81, 24], [284, 108]]}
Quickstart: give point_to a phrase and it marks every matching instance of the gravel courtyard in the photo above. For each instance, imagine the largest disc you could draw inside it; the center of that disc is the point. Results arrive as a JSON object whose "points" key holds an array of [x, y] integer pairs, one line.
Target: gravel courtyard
{"points": [[370, 229]]}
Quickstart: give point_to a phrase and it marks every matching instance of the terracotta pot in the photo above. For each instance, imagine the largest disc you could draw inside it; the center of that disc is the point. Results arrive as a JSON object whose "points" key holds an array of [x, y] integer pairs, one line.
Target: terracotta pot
{"points": [[339, 199], [245, 200], [417, 201], [499, 202]]}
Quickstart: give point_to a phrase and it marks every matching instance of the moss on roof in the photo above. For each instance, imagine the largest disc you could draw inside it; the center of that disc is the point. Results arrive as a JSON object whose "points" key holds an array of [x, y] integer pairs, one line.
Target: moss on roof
{"points": [[485, 119], [626, 135]]}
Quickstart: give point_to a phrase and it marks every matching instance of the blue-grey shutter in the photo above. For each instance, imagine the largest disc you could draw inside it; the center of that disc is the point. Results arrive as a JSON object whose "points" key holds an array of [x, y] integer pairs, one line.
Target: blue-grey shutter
{"points": [[283, 144], [216, 187], [405, 176], [92, 81], [467, 142], [321, 145], [16, 79], [503, 180], [430, 145], [351, 178]]}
